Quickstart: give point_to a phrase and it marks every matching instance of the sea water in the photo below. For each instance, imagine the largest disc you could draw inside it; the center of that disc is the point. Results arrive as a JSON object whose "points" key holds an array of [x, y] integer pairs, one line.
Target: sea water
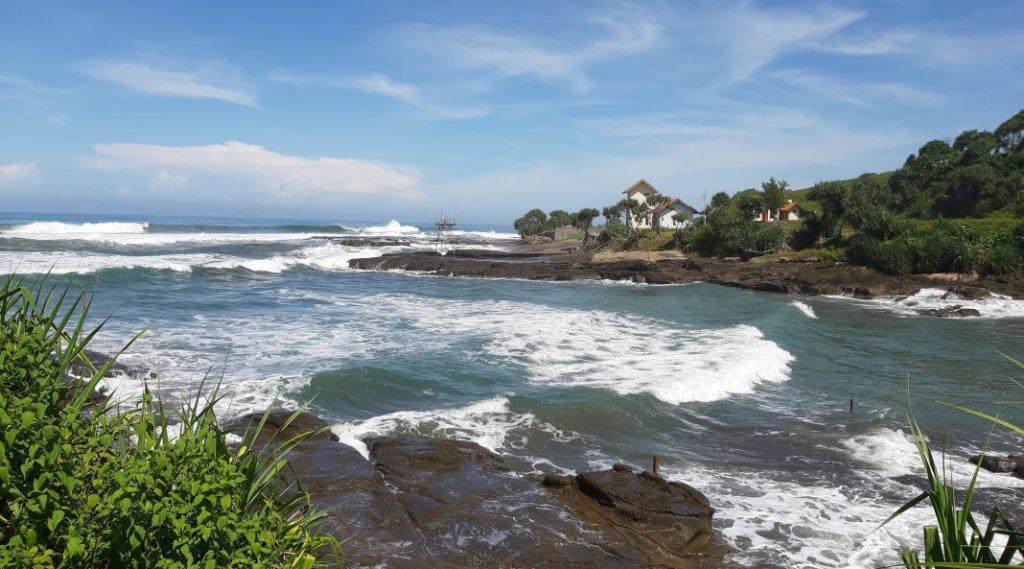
{"points": [[743, 395]]}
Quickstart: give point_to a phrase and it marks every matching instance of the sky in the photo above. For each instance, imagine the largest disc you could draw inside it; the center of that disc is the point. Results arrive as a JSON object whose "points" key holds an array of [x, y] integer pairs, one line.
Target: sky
{"points": [[377, 110]]}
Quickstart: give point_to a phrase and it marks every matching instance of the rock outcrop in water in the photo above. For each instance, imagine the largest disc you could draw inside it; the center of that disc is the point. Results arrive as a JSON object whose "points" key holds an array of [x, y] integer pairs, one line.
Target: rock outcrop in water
{"points": [[1002, 464], [808, 278], [425, 502]]}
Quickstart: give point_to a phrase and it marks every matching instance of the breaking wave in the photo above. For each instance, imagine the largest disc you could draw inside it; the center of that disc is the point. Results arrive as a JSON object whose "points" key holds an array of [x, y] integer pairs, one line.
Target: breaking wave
{"points": [[626, 354], [995, 306]]}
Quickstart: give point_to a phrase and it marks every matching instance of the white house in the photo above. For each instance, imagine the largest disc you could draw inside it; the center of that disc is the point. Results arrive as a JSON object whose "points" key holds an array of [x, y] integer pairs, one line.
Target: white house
{"points": [[789, 211], [675, 213]]}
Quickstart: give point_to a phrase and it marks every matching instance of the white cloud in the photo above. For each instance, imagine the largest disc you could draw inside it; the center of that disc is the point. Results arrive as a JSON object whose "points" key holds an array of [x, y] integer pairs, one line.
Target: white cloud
{"points": [[19, 174], [885, 43], [863, 95], [281, 176], [753, 37], [164, 181], [621, 33], [379, 84], [206, 82]]}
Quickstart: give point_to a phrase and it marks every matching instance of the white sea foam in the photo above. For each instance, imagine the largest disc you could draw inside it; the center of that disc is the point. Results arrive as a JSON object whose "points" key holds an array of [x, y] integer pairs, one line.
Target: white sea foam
{"points": [[767, 517], [60, 228], [626, 354], [487, 423], [328, 256], [995, 306], [893, 453], [805, 308]]}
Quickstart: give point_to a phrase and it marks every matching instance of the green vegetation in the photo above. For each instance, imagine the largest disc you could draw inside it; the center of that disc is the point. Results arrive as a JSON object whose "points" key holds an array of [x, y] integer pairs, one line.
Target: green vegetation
{"points": [[950, 208], [535, 222], [85, 485], [957, 540]]}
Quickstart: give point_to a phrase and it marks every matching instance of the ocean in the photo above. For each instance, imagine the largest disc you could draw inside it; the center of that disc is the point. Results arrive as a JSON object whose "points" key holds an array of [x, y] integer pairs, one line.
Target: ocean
{"points": [[743, 395]]}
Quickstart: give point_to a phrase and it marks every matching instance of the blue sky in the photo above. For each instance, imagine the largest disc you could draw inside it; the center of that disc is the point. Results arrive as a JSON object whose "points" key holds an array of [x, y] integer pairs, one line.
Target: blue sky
{"points": [[374, 110]]}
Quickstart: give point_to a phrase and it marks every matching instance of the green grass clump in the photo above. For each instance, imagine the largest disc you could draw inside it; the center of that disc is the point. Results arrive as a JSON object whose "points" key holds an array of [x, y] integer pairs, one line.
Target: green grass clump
{"points": [[956, 540], [85, 485]]}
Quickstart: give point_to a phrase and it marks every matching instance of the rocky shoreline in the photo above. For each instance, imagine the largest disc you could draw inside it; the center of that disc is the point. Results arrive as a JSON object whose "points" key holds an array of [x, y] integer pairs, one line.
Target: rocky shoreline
{"points": [[419, 501], [793, 277]]}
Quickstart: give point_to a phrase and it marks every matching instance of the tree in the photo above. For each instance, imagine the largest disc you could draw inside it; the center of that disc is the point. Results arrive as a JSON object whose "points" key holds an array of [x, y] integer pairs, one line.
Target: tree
{"points": [[719, 200], [612, 214], [1010, 134], [584, 220], [834, 198], [559, 218], [750, 202], [774, 193], [656, 205], [533, 223]]}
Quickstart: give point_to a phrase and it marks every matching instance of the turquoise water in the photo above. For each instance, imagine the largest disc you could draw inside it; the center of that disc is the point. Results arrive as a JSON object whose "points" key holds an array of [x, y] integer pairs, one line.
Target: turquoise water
{"points": [[743, 395]]}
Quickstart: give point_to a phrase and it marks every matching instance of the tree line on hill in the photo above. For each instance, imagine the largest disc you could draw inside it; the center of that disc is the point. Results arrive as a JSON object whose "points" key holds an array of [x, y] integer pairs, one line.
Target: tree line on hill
{"points": [[951, 207]]}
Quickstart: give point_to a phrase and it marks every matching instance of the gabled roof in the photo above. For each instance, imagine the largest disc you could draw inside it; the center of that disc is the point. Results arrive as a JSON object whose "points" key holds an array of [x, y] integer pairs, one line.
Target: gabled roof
{"points": [[643, 186], [789, 206], [677, 204]]}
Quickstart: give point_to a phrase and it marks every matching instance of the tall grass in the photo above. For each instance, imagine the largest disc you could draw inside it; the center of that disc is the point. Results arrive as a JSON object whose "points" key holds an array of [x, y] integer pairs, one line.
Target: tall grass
{"points": [[956, 540], [83, 484]]}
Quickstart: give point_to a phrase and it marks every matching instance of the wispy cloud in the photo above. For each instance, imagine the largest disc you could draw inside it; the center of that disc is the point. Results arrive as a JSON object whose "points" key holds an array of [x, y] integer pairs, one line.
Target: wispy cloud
{"points": [[882, 43], [279, 175], [753, 37], [205, 82], [379, 84], [619, 33], [19, 174], [861, 94], [33, 87]]}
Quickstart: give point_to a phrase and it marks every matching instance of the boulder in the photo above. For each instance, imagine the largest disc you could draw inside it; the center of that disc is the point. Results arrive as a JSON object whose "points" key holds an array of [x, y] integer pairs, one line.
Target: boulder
{"points": [[275, 426], [966, 293], [955, 311], [79, 367], [1010, 463], [420, 501]]}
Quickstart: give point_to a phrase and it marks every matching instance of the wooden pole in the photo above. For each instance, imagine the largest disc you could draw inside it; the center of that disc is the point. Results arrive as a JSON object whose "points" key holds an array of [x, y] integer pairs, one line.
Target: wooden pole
{"points": [[851, 405], [654, 465]]}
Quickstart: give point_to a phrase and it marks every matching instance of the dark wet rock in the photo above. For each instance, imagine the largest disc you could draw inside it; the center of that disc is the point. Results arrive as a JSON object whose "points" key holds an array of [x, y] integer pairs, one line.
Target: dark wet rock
{"points": [[275, 426], [424, 502], [649, 512], [810, 278], [966, 293], [1000, 464], [79, 367], [955, 311]]}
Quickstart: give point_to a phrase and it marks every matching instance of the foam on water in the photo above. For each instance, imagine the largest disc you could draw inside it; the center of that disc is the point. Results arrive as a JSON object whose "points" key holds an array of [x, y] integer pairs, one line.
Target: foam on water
{"points": [[327, 256], [805, 308], [767, 517], [892, 453], [626, 354], [995, 306], [60, 228], [487, 423]]}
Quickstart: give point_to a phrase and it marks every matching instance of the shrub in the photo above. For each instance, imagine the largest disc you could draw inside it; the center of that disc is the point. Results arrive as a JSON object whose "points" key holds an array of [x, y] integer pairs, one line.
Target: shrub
{"points": [[1002, 259], [84, 485]]}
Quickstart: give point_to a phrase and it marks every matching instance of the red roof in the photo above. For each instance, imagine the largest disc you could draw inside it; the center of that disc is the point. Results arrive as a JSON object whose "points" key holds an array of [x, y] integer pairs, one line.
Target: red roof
{"points": [[789, 206]]}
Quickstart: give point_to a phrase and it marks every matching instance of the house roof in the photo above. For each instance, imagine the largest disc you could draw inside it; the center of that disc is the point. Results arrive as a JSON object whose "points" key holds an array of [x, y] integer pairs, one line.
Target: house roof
{"points": [[641, 185], [786, 208]]}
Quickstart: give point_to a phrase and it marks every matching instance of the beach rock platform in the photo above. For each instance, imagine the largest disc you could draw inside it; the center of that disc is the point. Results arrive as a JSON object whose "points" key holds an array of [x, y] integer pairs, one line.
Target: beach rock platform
{"points": [[426, 502], [792, 277]]}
